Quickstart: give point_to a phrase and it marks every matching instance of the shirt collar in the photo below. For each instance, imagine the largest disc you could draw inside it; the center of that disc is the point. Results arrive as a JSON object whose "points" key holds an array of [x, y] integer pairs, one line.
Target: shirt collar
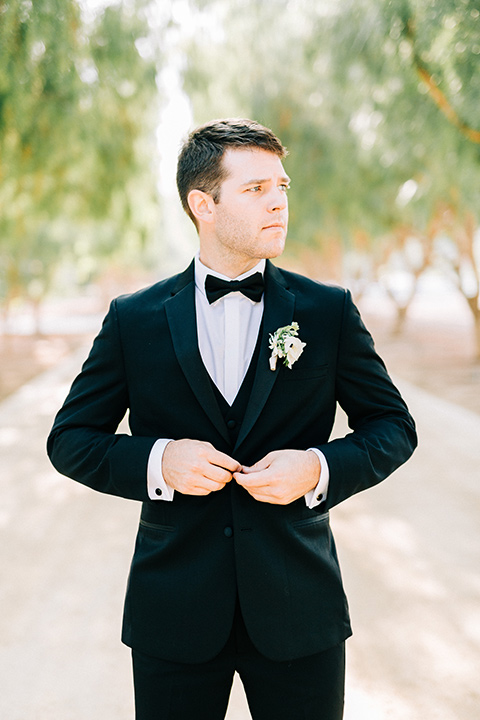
{"points": [[201, 272]]}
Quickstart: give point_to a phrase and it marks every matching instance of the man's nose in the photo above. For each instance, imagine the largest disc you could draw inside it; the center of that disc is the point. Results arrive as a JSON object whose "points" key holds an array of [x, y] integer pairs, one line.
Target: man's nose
{"points": [[277, 200]]}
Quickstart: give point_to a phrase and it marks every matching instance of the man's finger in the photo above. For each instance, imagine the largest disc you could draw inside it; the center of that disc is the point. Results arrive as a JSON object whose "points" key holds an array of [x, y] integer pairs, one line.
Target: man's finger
{"points": [[262, 464], [218, 474], [207, 486], [253, 479], [221, 460]]}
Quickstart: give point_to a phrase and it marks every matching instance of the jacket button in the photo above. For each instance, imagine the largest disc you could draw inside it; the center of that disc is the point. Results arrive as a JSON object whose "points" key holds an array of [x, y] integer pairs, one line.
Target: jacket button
{"points": [[158, 491], [228, 531]]}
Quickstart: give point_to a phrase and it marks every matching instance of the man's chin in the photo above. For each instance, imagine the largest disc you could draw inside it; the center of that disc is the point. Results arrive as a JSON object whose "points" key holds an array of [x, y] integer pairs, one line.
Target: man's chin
{"points": [[275, 250]]}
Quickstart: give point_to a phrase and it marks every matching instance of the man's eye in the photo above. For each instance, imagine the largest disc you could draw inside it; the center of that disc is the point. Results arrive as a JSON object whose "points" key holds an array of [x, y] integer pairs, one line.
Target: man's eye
{"points": [[285, 187], [257, 188]]}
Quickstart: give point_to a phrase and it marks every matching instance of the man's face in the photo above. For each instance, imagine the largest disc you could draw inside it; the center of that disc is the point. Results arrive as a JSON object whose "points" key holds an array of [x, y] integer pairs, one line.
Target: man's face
{"points": [[251, 216]]}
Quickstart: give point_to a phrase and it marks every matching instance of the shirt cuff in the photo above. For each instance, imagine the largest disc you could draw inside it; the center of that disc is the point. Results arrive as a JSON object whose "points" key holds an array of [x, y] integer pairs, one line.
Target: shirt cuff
{"points": [[319, 493], [157, 488]]}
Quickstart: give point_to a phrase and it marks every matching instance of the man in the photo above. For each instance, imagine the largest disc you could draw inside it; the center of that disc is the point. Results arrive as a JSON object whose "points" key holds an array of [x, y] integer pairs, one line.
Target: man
{"points": [[231, 401]]}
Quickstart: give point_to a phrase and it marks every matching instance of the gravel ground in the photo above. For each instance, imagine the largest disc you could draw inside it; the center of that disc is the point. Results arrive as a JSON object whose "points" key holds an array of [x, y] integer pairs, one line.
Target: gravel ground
{"points": [[409, 550]]}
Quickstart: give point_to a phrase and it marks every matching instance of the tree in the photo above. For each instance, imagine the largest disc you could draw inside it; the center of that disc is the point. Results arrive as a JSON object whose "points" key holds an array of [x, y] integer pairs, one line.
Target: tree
{"points": [[77, 102], [430, 126], [379, 101]]}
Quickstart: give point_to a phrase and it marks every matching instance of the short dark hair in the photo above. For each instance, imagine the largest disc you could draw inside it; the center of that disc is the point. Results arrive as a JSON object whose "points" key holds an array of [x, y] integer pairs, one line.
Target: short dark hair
{"points": [[200, 165]]}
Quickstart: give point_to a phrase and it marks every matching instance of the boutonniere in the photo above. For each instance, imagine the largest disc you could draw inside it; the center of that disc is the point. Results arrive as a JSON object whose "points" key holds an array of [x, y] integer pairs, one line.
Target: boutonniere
{"points": [[284, 343]]}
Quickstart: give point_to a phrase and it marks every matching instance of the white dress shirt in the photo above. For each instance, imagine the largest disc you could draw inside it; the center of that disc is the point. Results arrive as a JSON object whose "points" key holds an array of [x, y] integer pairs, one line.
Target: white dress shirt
{"points": [[227, 334]]}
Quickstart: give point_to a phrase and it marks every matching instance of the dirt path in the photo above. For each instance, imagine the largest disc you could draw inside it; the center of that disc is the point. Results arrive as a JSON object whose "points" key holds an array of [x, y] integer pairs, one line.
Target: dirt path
{"points": [[410, 552]]}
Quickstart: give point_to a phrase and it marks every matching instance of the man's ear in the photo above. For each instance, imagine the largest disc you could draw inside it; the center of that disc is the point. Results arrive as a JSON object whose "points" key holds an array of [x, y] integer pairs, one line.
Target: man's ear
{"points": [[202, 206]]}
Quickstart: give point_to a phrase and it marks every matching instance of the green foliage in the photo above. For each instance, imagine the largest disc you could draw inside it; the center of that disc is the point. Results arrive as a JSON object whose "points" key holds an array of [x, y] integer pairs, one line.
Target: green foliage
{"points": [[341, 82], [77, 114], [378, 102]]}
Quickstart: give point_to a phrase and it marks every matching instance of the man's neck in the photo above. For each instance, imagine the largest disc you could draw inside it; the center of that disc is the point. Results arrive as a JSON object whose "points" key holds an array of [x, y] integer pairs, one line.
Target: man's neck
{"points": [[230, 270]]}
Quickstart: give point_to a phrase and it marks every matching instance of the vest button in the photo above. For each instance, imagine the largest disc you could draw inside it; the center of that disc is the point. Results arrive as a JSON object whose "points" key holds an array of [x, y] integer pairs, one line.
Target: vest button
{"points": [[228, 532], [231, 424]]}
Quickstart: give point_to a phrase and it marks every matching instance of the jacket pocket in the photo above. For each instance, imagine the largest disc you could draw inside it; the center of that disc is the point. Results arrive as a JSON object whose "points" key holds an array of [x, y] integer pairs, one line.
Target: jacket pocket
{"points": [[144, 524], [305, 373], [312, 521]]}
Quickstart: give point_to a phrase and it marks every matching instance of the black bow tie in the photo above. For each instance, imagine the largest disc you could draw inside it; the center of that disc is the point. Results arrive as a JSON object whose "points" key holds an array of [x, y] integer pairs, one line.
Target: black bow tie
{"points": [[251, 287]]}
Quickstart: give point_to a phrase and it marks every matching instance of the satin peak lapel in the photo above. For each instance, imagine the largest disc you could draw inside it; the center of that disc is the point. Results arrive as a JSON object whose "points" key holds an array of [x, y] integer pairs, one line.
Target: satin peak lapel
{"points": [[180, 310], [278, 311]]}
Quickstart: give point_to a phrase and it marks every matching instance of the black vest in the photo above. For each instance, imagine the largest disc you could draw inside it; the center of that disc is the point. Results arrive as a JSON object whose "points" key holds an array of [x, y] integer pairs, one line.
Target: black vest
{"points": [[234, 413]]}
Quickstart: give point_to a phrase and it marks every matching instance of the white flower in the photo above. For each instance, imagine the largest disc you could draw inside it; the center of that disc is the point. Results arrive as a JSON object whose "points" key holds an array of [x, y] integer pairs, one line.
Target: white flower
{"points": [[285, 344], [294, 348], [273, 359]]}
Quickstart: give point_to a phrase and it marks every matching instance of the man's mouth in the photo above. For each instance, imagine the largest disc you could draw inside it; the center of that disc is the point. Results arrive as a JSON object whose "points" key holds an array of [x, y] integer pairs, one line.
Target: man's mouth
{"points": [[274, 225]]}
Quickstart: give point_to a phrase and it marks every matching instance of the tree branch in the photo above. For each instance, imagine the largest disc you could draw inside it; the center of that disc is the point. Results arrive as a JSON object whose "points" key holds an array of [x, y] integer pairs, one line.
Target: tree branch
{"points": [[436, 93]]}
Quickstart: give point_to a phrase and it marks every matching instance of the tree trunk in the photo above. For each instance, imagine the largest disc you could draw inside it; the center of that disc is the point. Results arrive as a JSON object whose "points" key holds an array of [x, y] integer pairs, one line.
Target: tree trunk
{"points": [[473, 305]]}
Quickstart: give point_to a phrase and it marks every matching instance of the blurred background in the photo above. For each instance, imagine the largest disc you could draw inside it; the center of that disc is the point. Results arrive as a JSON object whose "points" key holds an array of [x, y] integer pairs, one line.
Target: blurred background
{"points": [[378, 102]]}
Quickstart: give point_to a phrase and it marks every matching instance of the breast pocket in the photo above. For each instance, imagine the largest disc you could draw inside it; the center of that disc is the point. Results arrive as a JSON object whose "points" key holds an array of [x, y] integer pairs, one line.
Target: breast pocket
{"points": [[308, 373]]}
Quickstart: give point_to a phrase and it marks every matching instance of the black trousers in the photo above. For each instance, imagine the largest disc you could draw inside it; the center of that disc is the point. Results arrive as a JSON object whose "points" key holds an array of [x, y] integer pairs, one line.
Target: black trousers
{"points": [[311, 688]]}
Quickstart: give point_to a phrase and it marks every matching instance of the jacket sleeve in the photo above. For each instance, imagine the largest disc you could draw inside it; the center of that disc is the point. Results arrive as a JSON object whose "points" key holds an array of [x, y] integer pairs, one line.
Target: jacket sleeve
{"points": [[384, 435], [83, 443]]}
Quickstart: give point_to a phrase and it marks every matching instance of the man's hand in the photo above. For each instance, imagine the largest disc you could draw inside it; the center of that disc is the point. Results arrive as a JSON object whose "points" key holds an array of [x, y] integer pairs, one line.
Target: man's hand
{"points": [[281, 476], [194, 467]]}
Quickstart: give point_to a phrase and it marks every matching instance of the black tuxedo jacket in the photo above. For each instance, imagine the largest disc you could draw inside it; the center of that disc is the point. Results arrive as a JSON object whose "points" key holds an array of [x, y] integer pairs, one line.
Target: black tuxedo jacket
{"points": [[195, 555]]}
